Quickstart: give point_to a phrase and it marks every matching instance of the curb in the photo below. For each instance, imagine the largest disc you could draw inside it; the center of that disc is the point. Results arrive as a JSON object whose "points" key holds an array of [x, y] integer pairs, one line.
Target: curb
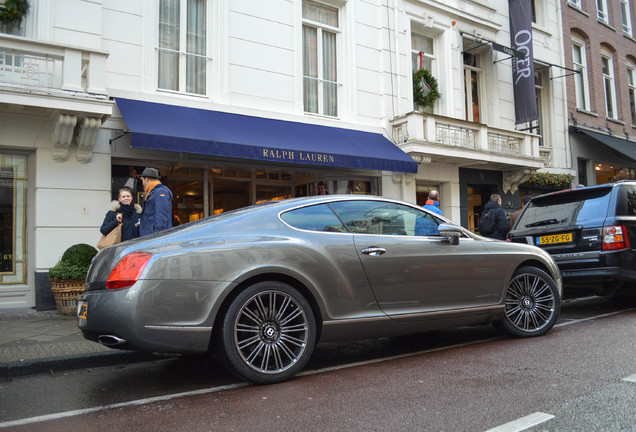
{"points": [[52, 365]]}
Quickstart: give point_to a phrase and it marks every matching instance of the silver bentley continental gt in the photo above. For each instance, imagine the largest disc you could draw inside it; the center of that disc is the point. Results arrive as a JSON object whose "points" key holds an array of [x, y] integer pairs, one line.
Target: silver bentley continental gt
{"points": [[260, 286]]}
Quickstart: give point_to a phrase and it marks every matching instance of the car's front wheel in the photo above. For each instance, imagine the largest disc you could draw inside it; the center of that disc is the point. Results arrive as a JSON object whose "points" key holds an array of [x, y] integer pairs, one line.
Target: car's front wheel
{"points": [[532, 303], [268, 333]]}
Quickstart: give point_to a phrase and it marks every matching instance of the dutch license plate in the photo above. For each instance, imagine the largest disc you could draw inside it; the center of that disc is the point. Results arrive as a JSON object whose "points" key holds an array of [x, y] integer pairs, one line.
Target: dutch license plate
{"points": [[554, 238], [82, 310]]}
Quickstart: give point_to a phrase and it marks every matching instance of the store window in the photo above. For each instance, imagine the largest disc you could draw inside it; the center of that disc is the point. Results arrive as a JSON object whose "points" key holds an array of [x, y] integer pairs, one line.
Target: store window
{"points": [[199, 193], [182, 51], [13, 188], [320, 61]]}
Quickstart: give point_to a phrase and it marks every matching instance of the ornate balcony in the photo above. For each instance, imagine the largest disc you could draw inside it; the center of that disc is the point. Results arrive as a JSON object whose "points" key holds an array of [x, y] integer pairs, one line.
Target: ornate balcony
{"points": [[465, 144], [66, 82]]}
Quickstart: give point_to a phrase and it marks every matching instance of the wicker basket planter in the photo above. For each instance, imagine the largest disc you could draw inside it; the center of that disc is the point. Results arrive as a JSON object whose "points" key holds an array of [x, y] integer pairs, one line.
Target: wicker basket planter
{"points": [[66, 293]]}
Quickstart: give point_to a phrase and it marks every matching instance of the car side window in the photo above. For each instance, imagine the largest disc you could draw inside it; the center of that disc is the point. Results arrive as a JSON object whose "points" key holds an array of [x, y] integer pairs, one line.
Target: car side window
{"points": [[314, 218], [630, 201], [378, 217]]}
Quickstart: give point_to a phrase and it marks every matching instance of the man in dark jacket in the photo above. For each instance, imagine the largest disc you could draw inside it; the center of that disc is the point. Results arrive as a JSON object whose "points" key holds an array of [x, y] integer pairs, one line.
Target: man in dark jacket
{"points": [[499, 215], [157, 214]]}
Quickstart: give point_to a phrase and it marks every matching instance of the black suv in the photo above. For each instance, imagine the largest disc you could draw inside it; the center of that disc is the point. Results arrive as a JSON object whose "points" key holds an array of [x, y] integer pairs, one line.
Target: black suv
{"points": [[588, 231]]}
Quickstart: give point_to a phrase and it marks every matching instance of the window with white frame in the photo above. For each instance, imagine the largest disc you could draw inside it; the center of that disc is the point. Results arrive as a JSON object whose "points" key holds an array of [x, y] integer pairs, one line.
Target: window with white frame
{"points": [[15, 28], [422, 54], [626, 17], [609, 86], [472, 77], [581, 83], [601, 11], [631, 84], [182, 48], [575, 3], [537, 126], [320, 60]]}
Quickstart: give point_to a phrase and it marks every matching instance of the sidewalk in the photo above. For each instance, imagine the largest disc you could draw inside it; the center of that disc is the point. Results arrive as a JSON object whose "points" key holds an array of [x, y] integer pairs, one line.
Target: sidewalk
{"points": [[45, 342]]}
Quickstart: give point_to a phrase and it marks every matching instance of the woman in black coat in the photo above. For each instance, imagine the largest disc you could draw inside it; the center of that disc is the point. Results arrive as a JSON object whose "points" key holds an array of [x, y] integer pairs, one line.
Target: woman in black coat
{"points": [[125, 212]]}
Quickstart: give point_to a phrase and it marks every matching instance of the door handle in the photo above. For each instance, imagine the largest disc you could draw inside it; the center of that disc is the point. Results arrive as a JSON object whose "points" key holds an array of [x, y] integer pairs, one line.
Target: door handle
{"points": [[373, 251]]}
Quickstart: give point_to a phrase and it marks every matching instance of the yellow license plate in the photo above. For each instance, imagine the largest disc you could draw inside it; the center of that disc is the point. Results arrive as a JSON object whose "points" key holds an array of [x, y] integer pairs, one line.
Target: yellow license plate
{"points": [[554, 238], [82, 310]]}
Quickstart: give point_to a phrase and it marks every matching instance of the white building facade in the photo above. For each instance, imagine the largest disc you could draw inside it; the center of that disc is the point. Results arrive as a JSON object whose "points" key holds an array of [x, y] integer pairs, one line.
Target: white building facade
{"points": [[240, 102]]}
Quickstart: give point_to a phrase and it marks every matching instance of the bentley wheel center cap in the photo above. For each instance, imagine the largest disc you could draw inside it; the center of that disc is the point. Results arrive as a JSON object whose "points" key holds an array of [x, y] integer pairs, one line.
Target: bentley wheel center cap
{"points": [[270, 332]]}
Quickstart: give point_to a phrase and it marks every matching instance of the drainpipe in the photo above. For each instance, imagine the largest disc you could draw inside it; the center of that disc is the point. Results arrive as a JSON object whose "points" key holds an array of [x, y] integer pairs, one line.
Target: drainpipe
{"points": [[403, 187]]}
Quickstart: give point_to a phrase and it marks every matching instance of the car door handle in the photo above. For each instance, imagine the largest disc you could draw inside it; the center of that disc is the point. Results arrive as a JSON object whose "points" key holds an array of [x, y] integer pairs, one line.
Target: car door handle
{"points": [[373, 251]]}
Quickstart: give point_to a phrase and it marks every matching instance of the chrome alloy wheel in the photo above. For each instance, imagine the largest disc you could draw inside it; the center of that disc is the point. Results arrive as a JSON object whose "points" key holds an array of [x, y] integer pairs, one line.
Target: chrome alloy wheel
{"points": [[530, 302], [271, 332]]}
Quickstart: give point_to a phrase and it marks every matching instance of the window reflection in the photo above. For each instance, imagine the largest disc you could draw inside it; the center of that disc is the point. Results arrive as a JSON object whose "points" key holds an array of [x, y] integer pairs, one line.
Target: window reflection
{"points": [[12, 219]]}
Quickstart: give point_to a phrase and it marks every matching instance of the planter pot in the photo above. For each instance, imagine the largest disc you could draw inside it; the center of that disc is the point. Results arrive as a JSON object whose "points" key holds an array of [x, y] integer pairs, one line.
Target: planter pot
{"points": [[66, 293]]}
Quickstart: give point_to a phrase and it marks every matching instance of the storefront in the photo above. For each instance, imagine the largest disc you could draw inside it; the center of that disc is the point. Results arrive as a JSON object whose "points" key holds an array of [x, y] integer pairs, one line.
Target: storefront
{"points": [[217, 161], [13, 252], [602, 158], [201, 190]]}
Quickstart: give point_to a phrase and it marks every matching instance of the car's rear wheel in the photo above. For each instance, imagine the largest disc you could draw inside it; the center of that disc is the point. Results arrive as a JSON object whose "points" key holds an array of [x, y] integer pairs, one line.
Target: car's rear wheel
{"points": [[532, 303], [268, 333]]}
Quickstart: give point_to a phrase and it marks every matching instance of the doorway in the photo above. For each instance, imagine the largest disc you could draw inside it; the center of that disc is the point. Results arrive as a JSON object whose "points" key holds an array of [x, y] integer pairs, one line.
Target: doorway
{"points": [[478, 196]]}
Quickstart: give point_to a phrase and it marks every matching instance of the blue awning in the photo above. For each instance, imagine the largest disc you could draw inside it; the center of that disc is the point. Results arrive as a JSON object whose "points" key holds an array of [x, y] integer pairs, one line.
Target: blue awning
{"points": [[190, 130]]}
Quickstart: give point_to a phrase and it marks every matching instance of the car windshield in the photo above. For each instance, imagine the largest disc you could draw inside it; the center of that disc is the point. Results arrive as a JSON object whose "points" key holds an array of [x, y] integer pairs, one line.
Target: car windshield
{"points": [[565, 209]]}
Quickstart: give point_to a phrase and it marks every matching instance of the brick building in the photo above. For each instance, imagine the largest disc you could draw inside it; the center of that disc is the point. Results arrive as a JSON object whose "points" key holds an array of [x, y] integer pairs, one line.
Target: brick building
{"points": [[600, 48]]}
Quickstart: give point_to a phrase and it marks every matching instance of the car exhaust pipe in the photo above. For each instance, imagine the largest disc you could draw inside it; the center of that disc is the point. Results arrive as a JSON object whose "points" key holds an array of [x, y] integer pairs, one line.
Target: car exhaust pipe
{"points": [[110, 340]]}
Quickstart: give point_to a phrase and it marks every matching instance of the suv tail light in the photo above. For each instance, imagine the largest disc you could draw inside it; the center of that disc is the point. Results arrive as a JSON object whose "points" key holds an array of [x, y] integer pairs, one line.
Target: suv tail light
{"points": [[128, 270], [615, 237]]}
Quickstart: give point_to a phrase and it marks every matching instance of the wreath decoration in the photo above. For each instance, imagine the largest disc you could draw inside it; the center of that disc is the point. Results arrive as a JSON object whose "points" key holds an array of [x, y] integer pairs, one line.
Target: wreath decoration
{"points": [[12, 11], [425, 92]]}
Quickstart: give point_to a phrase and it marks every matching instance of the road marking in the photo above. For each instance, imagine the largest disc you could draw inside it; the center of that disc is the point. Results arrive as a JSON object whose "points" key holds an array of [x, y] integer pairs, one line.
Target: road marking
{"points": [[631, 378], [56, 416], [576, 321], [523, 423], [398, 356]]}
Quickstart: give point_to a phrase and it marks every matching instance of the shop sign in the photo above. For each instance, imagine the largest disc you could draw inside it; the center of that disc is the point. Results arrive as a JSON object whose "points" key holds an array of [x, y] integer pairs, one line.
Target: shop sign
{"points": [[298, 156]]}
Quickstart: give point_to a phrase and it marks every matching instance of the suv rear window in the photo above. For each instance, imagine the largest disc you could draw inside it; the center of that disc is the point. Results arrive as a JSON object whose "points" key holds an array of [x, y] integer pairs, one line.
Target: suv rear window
{"points": [[626, 201], [566, 209]]}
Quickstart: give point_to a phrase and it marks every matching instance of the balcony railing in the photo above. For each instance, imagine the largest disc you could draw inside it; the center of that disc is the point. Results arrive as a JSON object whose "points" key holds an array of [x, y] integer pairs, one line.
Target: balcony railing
{"points": [[35, 65], [421, 129]]}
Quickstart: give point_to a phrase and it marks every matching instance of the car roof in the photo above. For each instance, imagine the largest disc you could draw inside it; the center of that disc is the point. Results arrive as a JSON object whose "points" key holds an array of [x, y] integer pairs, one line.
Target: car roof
{"points": [[580, 190]]}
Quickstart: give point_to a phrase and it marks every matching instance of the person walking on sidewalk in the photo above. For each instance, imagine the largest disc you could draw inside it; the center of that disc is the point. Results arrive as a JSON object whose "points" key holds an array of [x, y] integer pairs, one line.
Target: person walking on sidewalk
{"points": [[124, 212], [493, 222], [432, 203], [157, 213]]}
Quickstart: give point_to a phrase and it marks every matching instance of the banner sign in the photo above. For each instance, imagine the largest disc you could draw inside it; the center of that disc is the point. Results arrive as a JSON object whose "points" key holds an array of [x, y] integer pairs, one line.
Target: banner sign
{"points": [[522, 68], [507, 50]]}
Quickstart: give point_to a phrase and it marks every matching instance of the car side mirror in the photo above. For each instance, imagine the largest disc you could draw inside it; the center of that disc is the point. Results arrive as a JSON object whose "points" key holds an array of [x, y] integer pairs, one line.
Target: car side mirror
{"points": [[449, 232]]}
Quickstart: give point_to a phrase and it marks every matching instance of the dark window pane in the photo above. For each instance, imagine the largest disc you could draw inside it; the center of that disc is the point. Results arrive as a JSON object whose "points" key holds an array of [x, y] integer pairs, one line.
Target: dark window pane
{"points": [[314, 218]]}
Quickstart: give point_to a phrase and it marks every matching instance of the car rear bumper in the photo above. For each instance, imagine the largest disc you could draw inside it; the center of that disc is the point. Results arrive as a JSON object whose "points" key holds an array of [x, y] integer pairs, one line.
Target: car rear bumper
{"points": [[125, 320]]}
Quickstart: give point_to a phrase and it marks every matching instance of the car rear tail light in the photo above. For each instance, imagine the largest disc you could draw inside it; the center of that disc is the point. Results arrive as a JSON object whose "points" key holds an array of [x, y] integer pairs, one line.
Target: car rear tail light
{"points": [[128, 270], [615, 237]]}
